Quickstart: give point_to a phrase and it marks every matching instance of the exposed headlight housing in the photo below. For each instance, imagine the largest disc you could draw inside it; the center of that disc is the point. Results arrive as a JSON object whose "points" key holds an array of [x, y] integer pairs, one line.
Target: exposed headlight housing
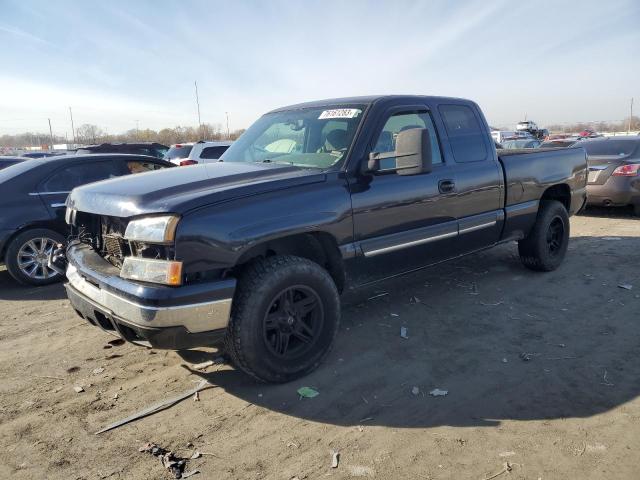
{"points": [[158, 229], [167, 272]]}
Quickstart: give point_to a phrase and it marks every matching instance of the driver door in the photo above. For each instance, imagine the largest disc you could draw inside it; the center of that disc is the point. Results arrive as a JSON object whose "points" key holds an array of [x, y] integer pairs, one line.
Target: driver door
{"points": [[404, 222]]}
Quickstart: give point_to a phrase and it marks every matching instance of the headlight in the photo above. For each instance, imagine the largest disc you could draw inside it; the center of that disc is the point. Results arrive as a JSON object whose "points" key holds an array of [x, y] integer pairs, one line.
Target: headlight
{"points": [[152, 229], [166, 272]]}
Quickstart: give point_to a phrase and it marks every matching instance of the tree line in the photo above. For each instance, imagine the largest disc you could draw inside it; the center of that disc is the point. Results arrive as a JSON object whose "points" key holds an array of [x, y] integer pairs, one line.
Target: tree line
{"points": [[621, 126], [91, 134]]}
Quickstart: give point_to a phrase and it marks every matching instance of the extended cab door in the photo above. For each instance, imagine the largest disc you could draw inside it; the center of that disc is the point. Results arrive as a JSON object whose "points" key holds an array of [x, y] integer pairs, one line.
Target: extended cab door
{"points": [[479, 177], [403, 222]]}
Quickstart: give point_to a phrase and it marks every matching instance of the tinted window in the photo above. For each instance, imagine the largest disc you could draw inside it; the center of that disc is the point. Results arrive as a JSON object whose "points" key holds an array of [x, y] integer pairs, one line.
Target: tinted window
{"points": [[610, 147], [213, 152], [70, 177], [465, 134], [6, 163], [182, 151], [404, 121]]}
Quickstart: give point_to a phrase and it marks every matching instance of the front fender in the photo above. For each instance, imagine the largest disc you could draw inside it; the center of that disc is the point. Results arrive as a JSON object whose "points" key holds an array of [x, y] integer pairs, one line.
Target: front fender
{"points": [[216, 237]]}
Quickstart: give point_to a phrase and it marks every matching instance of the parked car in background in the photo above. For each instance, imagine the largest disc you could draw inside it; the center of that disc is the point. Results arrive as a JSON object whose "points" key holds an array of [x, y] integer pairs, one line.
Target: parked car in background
{"points": [[562, 143], [527, 126], [521, 143], [614, 171], [152, 149], [312, 200], [500, 136], [39, 154], [196, 152], [32, 205], [7, 161]]}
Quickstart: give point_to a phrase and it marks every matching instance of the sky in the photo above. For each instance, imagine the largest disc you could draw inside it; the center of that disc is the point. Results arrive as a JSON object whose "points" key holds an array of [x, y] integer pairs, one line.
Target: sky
{"points": [[122, 64]]}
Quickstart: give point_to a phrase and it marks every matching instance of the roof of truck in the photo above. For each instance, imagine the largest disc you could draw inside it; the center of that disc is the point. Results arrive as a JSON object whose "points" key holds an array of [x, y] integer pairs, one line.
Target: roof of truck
{"points": [[364, 100]]}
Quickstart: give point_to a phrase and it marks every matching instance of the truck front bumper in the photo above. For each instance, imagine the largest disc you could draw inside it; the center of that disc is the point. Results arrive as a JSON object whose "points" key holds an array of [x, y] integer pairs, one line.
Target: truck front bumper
{"points": [[151, 315]]}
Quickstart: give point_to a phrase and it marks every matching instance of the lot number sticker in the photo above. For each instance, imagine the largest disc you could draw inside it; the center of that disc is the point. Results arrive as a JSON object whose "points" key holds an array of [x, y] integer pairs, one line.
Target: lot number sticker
{"points": [[340, 113]]}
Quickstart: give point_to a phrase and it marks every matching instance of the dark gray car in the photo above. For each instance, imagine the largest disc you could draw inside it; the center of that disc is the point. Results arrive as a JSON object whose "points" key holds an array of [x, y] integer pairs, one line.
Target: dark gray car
{"points": [[614, 172], [32, 205]]}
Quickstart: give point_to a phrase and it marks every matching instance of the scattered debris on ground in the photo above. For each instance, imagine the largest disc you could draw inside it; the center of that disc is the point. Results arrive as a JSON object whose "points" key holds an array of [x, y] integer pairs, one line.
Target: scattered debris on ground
{"points": [[507, 467], [404, 332], [78, 389], [170, 461], [335, 458], [436, 392], [415, 390], [157, 407], [378, 296], [98, 371], [626, 286], [308, 392]]}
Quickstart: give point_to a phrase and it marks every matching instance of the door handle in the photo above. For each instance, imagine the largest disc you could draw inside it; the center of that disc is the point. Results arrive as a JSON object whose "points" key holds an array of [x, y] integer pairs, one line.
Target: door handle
{"points": [[446, 186]]}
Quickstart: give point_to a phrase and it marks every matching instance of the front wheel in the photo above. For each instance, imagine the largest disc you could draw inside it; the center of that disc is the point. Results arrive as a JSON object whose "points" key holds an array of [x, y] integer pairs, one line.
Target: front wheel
{"points": [[546, 245], [27, 256], [284, 319]]}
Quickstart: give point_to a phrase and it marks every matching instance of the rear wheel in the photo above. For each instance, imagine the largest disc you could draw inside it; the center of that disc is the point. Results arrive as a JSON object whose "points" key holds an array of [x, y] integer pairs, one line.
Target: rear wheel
{"points": [[636, 210], [546, 245], [285, 317], [27, 256]]}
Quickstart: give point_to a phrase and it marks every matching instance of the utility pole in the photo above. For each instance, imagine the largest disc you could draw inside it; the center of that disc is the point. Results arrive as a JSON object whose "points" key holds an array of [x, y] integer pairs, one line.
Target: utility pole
{"points": [[50, 134], [228, 136], [630, 116], [198, 105], [137, 131], [73, 129]]}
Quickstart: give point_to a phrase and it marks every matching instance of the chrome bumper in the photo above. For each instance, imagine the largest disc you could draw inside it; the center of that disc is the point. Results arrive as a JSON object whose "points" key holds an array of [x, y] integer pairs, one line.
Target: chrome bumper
{"points": [[195, 318]]}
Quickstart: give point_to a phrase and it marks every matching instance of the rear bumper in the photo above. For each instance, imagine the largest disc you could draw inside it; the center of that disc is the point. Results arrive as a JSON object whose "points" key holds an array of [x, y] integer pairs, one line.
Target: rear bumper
{"points": [[616, 191], [157, 316]]}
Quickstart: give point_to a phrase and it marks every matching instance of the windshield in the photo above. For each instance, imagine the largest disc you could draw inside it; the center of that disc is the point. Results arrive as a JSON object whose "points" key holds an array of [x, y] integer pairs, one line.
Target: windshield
{"points": [[313, 137], [178, 151]]}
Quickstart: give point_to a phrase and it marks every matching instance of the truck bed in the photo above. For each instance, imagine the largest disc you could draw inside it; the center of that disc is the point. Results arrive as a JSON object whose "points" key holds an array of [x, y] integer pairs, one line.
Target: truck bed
{"points": [[528, 173]]}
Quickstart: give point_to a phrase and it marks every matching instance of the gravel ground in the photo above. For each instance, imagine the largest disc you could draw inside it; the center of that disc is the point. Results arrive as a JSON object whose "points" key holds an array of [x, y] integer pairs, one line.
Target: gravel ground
{"points": [[541, 370]]}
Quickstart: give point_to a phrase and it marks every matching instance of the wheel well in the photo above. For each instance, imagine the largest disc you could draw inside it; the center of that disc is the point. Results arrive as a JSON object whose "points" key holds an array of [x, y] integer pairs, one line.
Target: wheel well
{"points": [[319, 247], [24, 228], [560, 192]]}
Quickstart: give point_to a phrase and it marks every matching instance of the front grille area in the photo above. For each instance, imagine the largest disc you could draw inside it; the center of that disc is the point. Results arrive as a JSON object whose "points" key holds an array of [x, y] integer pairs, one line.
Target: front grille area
{"points": [[113, 245], [106, 236]]}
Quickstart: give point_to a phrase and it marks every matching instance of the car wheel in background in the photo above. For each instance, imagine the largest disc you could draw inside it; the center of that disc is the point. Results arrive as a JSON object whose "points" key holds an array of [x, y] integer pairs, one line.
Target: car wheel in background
{"points": [[636, 210], [284, 318], [546, 245], [27, 255]]}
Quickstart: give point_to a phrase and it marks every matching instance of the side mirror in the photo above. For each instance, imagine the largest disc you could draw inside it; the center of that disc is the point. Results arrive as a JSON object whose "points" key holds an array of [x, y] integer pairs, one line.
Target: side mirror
{"points": [[412, 154]]}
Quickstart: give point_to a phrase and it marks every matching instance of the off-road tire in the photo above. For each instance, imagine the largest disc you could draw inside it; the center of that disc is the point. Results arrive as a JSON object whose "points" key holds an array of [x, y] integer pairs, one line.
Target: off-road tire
{"points": [[11, 256], [535, 250], [258, 285]]}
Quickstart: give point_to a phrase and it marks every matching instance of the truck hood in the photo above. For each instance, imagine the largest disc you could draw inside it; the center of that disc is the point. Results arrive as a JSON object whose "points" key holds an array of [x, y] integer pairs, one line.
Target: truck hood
{"points": [[178, 190]]}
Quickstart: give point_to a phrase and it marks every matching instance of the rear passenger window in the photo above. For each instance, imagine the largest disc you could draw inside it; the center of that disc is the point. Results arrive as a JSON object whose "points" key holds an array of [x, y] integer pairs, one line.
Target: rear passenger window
{"points": [[399, 122], [466, 136], [213, 153], [73, 176]]}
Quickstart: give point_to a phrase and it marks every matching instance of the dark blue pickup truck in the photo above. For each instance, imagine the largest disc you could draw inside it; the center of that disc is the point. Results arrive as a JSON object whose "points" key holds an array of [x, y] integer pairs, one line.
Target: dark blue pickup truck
{"points": [[253, 251]]}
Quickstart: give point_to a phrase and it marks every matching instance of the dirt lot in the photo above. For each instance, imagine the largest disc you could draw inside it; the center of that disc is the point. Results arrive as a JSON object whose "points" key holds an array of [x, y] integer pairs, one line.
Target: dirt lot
{"points": [[570, 411]]}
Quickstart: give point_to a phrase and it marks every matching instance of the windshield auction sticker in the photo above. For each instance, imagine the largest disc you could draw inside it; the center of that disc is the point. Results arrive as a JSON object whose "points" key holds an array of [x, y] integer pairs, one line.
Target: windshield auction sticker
{"points": [[340, 113]]}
